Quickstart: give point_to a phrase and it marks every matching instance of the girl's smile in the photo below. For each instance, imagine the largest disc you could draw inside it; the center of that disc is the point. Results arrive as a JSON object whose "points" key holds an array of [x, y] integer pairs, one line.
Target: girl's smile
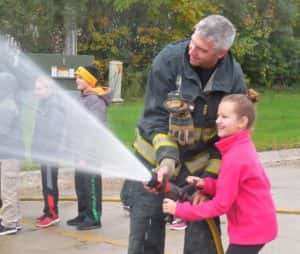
{"points": [[228, 122]]}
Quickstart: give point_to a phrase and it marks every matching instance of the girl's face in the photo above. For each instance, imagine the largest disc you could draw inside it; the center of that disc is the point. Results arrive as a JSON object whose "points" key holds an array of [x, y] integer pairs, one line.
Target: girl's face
{"points": [[41, 89], [228, 122], [81, 83]]}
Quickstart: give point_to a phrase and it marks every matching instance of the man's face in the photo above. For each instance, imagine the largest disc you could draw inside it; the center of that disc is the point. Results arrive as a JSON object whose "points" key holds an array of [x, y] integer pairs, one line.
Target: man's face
{"points": [[202, 53]]}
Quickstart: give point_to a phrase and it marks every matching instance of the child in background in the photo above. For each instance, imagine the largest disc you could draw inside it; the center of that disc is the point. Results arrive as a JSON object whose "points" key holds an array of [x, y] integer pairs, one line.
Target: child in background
{"points": [[89, 186], [46, 146], [11, 154], [242, 190]]}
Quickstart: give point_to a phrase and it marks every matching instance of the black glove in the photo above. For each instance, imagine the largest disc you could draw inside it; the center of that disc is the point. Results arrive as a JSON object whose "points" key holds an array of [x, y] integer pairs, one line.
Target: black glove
{"points": [[181, 126]]}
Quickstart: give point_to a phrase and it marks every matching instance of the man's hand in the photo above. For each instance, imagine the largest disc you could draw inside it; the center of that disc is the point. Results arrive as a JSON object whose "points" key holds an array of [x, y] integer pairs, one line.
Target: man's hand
{"points": [[155, 185], [166, 169], [163, 173], [169, 206]]}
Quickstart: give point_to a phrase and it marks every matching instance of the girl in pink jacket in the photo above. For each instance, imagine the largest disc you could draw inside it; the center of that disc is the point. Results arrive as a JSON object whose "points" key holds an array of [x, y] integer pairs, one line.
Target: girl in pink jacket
{"points": [[242, 190]]}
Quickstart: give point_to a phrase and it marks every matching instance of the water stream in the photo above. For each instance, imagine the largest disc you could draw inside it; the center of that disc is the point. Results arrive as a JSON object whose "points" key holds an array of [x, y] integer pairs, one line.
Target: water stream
{"points": [[42, 122]]}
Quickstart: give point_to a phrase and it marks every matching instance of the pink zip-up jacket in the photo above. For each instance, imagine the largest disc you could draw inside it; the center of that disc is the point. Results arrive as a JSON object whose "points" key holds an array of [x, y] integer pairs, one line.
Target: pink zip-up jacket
{"points": [[242, 192]]}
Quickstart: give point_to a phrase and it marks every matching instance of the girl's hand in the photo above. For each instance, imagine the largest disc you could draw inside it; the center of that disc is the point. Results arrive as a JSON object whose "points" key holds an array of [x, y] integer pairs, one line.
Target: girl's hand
{"points": [[199, 181], [82, 164], [169, 206], [198, 198]]}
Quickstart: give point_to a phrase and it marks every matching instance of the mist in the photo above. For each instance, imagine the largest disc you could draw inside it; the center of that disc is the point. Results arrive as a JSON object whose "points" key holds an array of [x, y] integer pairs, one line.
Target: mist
{"points": [[68, 137]]}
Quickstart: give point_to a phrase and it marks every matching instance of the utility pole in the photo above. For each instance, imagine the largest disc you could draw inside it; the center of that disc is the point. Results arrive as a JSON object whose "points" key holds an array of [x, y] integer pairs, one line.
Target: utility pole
{"points": [[70, 18]]}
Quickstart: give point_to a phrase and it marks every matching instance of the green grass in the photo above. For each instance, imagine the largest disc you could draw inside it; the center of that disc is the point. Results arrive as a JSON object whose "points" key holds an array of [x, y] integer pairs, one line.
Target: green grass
{"points": [[123, 119], [278, 121], [277, 125]]}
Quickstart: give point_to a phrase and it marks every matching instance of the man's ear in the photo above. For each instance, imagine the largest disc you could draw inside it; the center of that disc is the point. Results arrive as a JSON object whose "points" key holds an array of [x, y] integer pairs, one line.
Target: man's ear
{"points": [[221, 53]]}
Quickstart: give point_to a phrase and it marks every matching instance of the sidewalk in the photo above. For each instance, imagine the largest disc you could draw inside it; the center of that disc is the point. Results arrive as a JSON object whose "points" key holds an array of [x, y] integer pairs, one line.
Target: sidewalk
{"points": [[279, 156], [283, 168]]}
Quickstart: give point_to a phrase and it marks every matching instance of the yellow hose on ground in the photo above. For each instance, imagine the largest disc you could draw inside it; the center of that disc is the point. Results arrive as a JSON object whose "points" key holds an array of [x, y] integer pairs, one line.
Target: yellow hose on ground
{"points": [[287, 211], [107, 199], [114, 199], [216, 235]]}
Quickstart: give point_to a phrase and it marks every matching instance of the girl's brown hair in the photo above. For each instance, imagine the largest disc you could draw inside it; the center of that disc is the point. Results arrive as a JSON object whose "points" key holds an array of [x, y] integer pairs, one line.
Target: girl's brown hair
{"points": [[244, 105]]}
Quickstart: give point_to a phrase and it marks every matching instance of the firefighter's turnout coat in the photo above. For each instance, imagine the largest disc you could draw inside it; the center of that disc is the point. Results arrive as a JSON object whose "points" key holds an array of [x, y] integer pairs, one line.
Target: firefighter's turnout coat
{"points": [[153, 142]]}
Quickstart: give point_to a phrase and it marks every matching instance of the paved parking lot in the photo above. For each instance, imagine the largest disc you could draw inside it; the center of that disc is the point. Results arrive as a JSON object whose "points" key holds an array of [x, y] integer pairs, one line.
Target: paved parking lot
{"points": [[112, 237]]}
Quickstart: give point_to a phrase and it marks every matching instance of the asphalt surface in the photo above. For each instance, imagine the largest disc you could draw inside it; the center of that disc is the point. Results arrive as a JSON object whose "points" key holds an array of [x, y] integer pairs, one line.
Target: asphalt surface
{"points": [[283, 168]]}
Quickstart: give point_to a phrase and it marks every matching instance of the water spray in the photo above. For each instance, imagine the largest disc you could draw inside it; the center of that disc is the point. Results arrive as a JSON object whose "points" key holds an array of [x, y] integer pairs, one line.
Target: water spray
{"points": [[82, 135]]}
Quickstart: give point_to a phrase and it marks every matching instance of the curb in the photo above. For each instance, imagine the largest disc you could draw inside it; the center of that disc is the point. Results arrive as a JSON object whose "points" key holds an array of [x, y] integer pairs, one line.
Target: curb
{"points": [[269, 158]]}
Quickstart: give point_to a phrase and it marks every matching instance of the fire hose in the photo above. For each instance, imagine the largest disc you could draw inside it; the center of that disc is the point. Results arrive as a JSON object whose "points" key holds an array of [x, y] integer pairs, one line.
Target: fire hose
{"points": [[182, 194]]}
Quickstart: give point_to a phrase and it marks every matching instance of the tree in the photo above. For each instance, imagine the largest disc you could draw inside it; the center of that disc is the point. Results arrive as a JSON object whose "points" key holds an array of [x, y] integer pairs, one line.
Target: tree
{"points": [[134, 31], [42, 26], [266, 44]]}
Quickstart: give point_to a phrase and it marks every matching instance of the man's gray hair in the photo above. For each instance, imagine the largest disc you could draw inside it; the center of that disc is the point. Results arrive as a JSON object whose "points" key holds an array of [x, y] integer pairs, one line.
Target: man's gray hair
{"points": [[218, 30]]}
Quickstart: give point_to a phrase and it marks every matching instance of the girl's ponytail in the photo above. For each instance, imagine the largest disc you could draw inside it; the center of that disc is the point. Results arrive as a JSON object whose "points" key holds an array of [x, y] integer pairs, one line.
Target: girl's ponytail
{"points": [[252, 95]]}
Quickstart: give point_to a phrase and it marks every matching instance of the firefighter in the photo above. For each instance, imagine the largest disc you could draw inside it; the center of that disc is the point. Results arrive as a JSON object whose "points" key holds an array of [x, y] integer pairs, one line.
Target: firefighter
{"points": [[177, 132]]}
